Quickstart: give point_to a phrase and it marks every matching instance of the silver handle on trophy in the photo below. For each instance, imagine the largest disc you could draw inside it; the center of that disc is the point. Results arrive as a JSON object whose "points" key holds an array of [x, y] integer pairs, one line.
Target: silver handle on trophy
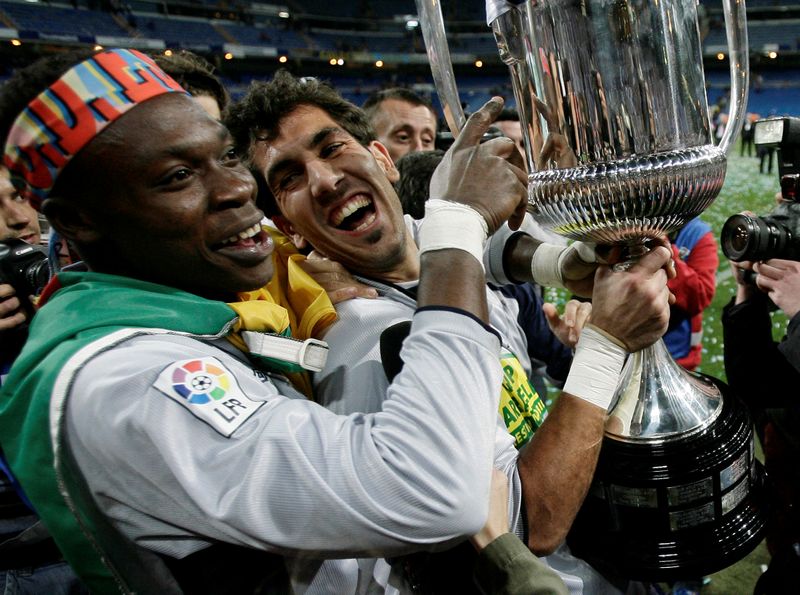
{"points": [[739, 59], [508, 29], [433, 32]]}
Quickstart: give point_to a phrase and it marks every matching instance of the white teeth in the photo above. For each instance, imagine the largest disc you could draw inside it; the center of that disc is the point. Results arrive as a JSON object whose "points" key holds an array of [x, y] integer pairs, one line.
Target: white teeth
{"points": [[367, 222], [348, 209], [243, 235]]}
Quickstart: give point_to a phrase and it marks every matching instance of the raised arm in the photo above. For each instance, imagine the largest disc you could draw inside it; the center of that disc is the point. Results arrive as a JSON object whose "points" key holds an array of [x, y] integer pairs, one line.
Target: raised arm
{"points": [[481, 189]]}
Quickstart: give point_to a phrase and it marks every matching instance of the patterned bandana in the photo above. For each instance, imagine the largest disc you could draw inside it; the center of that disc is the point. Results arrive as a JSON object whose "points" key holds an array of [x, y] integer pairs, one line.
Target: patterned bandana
{"points": [[61, 120]]}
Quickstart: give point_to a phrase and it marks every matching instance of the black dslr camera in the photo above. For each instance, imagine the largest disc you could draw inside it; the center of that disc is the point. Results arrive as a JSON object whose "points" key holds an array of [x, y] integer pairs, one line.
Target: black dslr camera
{"points": [[25, 267], [776, 235]]}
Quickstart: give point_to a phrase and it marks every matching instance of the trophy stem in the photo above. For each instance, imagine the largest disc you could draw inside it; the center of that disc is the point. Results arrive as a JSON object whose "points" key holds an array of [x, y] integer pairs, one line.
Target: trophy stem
{"points": [[630, 254], [657, 400]]}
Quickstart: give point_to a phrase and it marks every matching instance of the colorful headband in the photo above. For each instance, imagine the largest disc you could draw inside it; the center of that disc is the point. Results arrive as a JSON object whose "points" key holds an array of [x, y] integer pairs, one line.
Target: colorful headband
{"points": [[62, 119]]}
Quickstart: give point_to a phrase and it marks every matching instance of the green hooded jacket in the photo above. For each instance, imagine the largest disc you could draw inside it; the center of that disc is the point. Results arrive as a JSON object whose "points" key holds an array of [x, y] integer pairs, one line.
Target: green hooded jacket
{"points": [[90, 312]]}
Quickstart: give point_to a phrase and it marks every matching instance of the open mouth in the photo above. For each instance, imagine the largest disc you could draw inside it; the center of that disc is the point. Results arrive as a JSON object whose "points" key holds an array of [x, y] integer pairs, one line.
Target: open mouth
{"points": [[356, 214], [247, 238]]}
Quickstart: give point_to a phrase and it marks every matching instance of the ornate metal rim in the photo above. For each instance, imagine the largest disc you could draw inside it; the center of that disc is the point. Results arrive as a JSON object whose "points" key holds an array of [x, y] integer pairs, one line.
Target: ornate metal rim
{"points": [[627, 201]]}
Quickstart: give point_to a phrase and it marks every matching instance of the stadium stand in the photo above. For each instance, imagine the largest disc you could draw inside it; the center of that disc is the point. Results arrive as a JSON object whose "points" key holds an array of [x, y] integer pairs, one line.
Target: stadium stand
{"points": [[244, 39]]}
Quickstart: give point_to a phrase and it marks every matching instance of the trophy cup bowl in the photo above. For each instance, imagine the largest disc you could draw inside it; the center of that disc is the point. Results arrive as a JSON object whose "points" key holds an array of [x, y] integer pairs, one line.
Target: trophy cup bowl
{"points": [[611, 98]]}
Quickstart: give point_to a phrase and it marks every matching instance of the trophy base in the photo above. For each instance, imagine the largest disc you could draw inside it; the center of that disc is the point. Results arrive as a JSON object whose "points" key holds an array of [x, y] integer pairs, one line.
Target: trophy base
{"points": [[676, 509]]}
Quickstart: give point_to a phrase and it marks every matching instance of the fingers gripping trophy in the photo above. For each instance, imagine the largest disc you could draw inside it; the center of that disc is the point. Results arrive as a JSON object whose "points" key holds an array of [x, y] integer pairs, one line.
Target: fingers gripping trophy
{"points": [[611, 97]]}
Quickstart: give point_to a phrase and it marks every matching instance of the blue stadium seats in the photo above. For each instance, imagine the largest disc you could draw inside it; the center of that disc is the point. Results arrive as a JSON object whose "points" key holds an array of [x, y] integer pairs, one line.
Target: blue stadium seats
{"points": [[179, 31], [771, 92], [370, 9], [56, 21], [262, 35], [785, 34]]}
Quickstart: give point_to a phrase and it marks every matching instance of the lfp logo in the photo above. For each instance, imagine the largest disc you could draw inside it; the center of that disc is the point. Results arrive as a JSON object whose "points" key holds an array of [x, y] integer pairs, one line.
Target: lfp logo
{"points": [[210, 391], [199, 381]]}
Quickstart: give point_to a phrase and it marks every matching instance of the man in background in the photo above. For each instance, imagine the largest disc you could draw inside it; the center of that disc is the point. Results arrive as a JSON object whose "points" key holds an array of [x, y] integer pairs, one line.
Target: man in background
{"points": [[403, 121], [694, 250], [18, 221], [413, 186], [508, 123], [765, 373], [196, 74]]}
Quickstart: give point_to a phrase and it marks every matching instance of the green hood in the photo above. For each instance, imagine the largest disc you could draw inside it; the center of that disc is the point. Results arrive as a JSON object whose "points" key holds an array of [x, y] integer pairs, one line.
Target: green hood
{"points": [[87, 307]]}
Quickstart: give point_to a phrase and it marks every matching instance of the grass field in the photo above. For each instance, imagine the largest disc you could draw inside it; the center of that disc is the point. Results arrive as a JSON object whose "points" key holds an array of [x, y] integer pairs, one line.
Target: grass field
{"points": [[744, 189]]}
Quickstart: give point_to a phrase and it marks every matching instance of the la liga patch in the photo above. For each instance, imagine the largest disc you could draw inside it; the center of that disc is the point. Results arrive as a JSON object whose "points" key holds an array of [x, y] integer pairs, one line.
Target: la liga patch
{"points": [[209, 391]]}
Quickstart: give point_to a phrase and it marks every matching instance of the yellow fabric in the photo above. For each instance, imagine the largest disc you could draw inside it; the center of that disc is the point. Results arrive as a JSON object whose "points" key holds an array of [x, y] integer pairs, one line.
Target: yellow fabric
{"points": [[291, 300], [521, 406]]}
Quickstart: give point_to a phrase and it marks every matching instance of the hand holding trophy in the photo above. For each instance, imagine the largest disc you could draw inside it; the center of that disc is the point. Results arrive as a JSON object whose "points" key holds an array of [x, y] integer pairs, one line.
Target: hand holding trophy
{"points": [[611, 97]]}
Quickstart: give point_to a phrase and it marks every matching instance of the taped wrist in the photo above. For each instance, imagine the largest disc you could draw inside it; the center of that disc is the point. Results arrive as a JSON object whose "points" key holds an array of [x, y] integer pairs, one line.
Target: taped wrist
{"points": [[547, 264], [596, 367], [452, 225]]}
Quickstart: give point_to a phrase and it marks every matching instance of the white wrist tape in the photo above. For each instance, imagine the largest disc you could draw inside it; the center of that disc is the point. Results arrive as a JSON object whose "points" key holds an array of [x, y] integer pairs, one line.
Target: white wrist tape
{"points": [[547, 264], [595, 369], [452, 225], [586, 250]]}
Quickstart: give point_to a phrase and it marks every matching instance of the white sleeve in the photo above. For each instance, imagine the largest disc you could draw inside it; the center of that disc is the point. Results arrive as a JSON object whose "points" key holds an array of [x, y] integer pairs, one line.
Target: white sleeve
{"points": [[294, 477], [353, 380]]}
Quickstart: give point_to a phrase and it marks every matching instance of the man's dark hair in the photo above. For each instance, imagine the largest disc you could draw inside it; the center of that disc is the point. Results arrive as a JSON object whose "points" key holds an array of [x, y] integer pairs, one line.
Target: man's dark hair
{"points": [[507, 114], [413, 187], [373, 103], [195, 74], [266, 103]]}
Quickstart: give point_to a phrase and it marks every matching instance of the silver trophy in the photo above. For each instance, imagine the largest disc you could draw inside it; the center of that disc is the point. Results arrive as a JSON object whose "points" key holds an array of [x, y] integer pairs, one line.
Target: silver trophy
{"points": [[612, 100]]}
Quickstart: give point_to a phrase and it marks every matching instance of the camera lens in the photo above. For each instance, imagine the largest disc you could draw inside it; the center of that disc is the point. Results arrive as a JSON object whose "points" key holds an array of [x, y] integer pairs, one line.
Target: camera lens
{"points": [[37, 275], [753, 238]]}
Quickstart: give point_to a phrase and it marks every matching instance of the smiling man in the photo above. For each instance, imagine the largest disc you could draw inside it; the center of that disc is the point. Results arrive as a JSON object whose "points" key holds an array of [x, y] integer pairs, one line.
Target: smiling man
{"points": [[332, 184], [149, 417]]}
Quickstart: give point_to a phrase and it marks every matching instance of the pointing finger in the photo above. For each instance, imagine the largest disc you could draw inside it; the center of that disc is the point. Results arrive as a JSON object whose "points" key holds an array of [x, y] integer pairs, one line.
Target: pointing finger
{"points": [[479, 123]]}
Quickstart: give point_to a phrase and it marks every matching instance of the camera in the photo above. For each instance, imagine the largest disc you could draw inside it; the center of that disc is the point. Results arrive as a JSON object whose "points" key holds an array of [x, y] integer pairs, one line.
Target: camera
{"points": [[776, 235], [25, 267]]}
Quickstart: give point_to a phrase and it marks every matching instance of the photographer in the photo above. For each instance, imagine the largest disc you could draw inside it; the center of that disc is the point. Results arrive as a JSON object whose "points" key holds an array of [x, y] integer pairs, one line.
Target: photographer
{"points": [[30, 562], [24, 269], [760, 370], [765, 256], [19, 220]]}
